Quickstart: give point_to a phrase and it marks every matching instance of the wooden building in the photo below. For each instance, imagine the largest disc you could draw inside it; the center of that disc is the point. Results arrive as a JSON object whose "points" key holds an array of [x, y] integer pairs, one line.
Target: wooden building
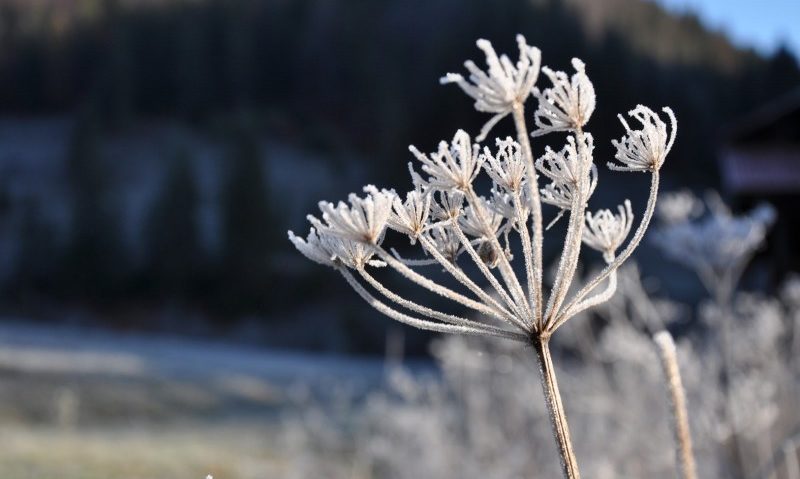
{"points": [[760, 161]]}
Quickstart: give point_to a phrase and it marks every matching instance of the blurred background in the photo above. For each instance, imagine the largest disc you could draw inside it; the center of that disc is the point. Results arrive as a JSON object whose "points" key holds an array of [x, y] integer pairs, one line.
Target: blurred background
{"points": [[154, 319]]}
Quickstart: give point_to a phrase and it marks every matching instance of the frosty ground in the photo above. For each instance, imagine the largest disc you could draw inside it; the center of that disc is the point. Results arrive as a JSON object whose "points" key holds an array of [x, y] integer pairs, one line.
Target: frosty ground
{"points": [[89, 404]]}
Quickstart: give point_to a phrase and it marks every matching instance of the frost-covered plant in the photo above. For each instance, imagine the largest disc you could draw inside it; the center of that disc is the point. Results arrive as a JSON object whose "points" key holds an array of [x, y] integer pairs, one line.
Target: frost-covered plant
{"points": [[483, 416], [741, 406], [791, 298], [449, 219], [717, 247], [680, 416]]}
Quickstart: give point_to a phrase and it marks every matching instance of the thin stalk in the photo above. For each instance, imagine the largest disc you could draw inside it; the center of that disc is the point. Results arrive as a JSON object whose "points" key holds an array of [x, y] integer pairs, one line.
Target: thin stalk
{"points": [[680, 417], [460, 276], [785, 455], [491, 309], [412, 321], [536, 211], [723, 298], [573, 241], [506, 271], [431, 313], [632, 244], [525, 238], [792, 464], [558, 416], [591, 302], [485, 270]]}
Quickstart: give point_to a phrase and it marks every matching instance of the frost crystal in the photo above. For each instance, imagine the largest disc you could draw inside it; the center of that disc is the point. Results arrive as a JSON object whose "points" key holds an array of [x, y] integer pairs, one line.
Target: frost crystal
{"points": [[314, 247], [410, 217], [480, 221], [506, 206], [564, 169], [446, 243]]}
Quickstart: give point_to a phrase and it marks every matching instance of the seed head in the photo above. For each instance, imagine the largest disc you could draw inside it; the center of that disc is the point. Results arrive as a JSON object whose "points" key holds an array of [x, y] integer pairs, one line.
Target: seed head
{"points": [[507, 168], [503, 85], [645, 149], [564, 169], [363, 220], [452, 167], [606, 231], [568, 104], [410, 217]]}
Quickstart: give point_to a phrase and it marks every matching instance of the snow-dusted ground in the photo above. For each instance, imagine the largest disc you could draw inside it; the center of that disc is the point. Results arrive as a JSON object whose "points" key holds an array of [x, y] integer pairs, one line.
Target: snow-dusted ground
{"points": [[62, 374], [44, 348], [80, 403]]}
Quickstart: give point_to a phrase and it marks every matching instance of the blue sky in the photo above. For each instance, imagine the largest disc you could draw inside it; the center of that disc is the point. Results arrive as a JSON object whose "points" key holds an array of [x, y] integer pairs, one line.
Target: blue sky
{"points": [[763, 24]]}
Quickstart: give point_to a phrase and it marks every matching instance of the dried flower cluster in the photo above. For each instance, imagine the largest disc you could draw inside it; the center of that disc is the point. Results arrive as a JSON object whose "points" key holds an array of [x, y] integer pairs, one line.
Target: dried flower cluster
{"points": [[453, 223]]}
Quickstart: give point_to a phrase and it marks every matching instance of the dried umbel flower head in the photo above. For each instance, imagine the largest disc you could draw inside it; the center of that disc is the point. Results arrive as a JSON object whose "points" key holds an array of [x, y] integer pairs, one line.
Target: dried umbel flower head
{"points": [[568, 104], [334, 252], [363, 220], [645, 149], [606, 231], [504, 86], [568, 172], [453, 166], [410, 217], [507, 167], [452, 223], [480, 220]]}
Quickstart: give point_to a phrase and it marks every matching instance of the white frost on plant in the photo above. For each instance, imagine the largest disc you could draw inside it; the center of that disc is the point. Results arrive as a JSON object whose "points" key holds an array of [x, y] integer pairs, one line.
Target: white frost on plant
{"points": [[447, 217], [564, 169], [718, 246], [507, 167], [503, 86], [410, 217], [480, 220], [568, 104], [363, 220], [606, 231], [645, 149], [314, 247], [452, 166], [454, 224], [483, 415]]}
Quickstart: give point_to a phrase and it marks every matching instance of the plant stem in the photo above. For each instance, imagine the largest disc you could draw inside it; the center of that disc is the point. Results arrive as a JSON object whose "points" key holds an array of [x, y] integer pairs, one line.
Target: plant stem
{"points": [[558, 417], [724, 300], [677, 396], [535, 289]]}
